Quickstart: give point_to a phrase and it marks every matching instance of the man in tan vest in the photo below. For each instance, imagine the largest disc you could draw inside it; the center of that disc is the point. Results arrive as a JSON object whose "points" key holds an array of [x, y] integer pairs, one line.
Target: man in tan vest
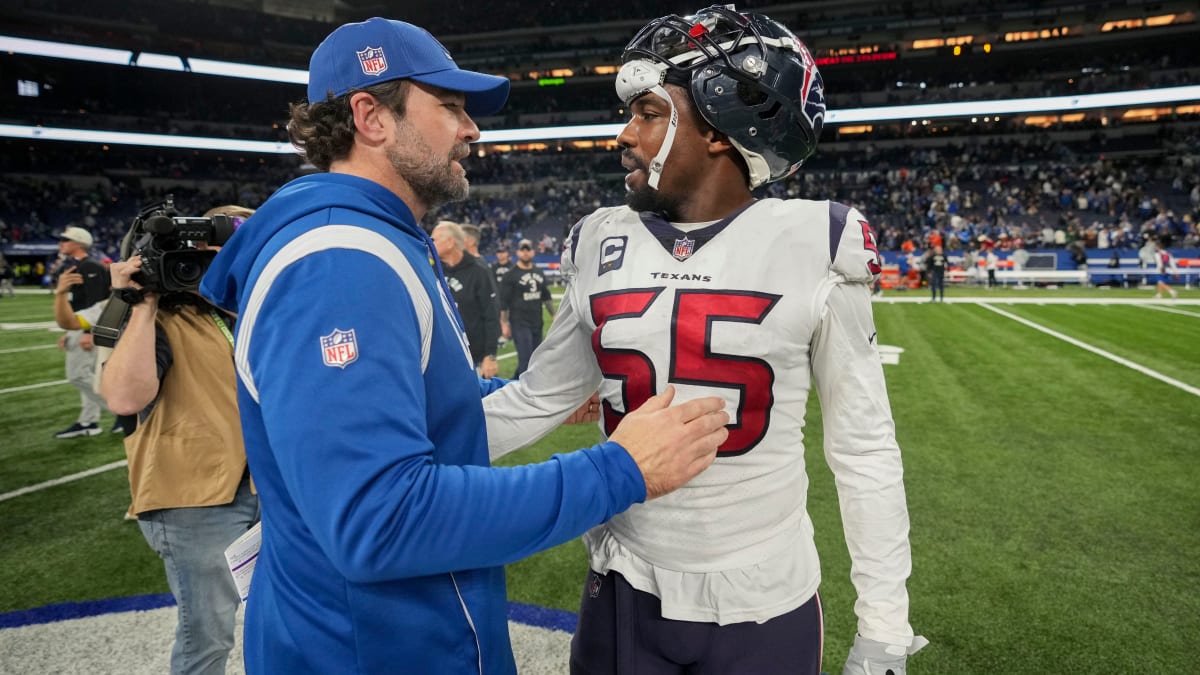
{"points": [[173, 367]]}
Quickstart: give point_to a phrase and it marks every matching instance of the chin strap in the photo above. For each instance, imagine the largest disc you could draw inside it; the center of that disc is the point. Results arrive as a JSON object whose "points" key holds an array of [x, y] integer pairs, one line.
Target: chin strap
{"points": [[637, 78]]}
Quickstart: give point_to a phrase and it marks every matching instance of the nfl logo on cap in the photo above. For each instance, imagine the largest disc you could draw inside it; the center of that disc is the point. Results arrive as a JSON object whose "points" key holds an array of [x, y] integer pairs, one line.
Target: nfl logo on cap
{"points": [[683, 248], [339, 348], [372, 60]]}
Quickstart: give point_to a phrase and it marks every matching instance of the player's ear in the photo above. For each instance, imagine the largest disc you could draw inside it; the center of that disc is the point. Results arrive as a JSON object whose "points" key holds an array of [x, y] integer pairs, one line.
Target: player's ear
{"points": [[717, 142]]}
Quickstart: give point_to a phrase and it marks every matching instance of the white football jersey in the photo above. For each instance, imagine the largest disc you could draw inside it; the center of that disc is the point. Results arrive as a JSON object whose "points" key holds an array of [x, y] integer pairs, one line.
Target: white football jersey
{"points": [[749, 308]]}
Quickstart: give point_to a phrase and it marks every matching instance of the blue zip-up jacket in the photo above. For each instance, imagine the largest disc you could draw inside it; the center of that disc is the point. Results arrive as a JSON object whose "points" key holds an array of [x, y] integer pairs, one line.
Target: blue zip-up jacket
{"points": [[384, 528]]}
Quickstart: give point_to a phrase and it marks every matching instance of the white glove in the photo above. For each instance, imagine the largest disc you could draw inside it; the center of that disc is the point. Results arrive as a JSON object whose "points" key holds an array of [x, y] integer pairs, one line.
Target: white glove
{"points": [[868, 657]]}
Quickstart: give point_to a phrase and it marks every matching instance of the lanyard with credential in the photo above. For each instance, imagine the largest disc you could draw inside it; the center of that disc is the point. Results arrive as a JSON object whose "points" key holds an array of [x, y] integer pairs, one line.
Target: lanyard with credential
{"points": [[221, 324]]}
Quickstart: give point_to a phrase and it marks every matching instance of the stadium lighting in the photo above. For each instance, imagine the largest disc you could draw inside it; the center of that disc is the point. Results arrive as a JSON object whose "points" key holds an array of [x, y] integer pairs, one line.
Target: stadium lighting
{"points": [[1016, 106], [930, 111], [151, 140], [62, 50], [245, 70], [993, 109], [159, 61], [926, 113]]}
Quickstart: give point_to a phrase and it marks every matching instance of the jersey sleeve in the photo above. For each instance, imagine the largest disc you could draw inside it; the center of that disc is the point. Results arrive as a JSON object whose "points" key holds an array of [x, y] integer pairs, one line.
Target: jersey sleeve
{"points": [[854, 251], [567, 269], [861, 449]]}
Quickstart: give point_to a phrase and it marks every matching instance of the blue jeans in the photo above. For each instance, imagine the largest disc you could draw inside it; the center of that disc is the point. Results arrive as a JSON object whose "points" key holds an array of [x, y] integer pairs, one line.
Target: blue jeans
{"points": [[192, 542], [526, 338]]}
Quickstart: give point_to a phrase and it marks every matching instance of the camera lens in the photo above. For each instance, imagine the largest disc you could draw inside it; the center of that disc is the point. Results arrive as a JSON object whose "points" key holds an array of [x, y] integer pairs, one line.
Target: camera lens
{"points": [[186, 272]]}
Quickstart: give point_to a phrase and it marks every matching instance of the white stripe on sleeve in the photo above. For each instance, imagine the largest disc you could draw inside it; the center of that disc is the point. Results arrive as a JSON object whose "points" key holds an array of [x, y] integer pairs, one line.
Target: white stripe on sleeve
{"points": [[323, 239]]}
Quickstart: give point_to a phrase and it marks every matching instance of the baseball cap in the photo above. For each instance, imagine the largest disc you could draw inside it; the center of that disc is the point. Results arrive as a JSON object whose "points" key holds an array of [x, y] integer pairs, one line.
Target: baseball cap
{"points": [[360, 55], [525, 243], [77, 234]]}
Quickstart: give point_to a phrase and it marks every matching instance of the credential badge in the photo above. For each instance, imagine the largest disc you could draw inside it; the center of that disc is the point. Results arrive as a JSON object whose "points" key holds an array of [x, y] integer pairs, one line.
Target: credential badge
{"points": [[339, 348], [683, 249], [372, 60]]}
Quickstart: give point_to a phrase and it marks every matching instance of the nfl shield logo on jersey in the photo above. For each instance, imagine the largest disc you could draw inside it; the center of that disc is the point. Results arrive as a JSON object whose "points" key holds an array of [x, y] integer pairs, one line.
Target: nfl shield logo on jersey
{"points": [[339, 348], [683, 248], [372, 60]]}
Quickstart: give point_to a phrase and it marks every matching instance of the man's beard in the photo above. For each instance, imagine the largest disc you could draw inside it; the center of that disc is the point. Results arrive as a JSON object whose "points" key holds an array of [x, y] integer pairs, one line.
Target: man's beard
{"points": [[433, 182], [646, 198]]}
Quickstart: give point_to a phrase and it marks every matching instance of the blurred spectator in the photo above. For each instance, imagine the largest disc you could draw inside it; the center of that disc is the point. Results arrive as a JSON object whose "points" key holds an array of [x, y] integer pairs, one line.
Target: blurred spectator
{"points": [[523, 293], [470, 281], [82, 283]]}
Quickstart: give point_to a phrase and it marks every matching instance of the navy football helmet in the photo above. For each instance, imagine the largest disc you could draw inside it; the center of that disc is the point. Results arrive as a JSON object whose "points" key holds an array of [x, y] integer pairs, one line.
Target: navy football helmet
{"points": [[750, 77]]}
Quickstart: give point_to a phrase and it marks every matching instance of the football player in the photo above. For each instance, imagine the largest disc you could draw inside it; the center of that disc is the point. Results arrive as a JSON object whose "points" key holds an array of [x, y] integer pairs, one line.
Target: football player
{"points": [[698, 284]]}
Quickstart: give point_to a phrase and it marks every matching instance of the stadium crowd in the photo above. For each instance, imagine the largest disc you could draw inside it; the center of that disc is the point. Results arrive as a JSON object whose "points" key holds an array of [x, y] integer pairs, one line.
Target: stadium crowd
{"points": [[1038, 191]]}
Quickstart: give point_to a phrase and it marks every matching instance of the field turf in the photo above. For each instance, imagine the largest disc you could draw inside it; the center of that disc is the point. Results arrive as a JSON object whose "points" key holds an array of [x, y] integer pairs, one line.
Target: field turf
{"points": [[1052, 490]]}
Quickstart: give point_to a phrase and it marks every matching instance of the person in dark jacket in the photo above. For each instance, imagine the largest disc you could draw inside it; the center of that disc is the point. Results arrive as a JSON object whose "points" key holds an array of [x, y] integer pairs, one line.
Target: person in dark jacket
{"points": [[523, 294], [935, 266], [474, 293]]}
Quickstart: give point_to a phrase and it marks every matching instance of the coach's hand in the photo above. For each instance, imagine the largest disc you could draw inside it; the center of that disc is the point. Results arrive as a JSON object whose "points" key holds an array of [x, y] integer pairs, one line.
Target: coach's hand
{"points": [[868, 657], [672, 444]]}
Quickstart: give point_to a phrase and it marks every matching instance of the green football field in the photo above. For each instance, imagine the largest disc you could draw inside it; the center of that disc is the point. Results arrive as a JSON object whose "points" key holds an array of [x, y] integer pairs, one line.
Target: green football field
{"points": [[1052, 453]]}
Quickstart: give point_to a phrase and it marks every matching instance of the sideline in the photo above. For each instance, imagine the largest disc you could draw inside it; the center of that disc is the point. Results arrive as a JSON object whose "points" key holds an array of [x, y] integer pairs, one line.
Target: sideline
{"points": [[1096, 350], [64, 479]]}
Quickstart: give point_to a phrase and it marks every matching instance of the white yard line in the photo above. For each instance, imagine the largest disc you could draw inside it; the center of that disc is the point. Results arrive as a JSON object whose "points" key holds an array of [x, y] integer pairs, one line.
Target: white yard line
{"points": [[39, 325], [1096, 350], [27, 387], [27, 349], [1172, 310], [919, 298], [64, 479]]}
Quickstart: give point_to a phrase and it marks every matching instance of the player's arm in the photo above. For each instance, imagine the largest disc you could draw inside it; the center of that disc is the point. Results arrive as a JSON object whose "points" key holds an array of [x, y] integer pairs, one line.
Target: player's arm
{"points": [[861, 448], [860, 437]]}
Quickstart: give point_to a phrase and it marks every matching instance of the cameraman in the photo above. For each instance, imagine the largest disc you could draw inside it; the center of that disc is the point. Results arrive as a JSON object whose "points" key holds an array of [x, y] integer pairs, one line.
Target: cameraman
{"points": [[173, 365]]}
